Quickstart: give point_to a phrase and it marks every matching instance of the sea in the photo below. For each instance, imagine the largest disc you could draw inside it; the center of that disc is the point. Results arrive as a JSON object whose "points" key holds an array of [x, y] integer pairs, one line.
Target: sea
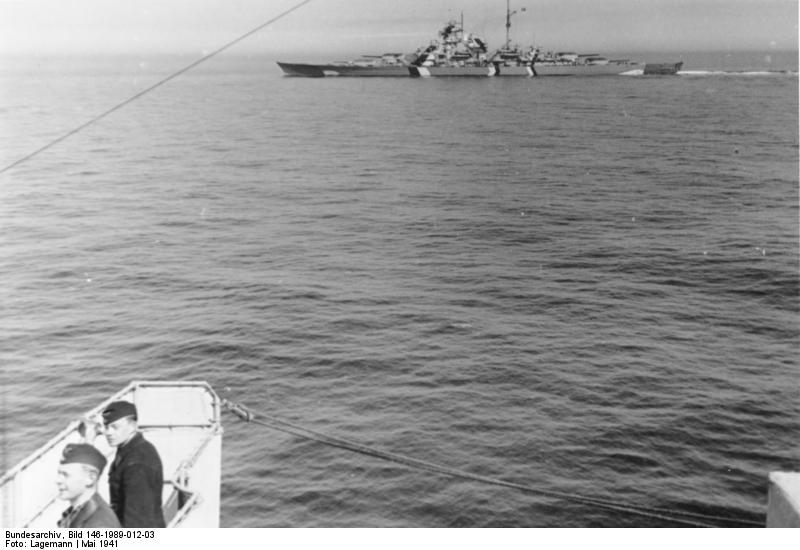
{"points": [[581, 285]]}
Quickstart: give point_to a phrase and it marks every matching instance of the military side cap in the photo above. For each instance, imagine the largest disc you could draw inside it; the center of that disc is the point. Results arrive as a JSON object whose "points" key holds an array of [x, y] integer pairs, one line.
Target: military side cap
{"points": [[117, 410], [83, 453]]}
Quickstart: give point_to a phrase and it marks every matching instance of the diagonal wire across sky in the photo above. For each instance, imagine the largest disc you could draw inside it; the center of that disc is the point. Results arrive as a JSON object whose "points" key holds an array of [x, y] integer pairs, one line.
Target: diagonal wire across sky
{"points": [[149, 89]]}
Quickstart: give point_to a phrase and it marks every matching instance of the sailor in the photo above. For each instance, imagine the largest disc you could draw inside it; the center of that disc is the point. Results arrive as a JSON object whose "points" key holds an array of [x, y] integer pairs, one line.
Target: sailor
{"points": [[78, 473], [136, 477]]}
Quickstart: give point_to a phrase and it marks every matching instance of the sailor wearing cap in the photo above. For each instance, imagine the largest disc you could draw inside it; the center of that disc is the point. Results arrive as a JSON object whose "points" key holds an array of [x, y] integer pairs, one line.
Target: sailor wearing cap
{"points": [[80, 467], [136, 478]]}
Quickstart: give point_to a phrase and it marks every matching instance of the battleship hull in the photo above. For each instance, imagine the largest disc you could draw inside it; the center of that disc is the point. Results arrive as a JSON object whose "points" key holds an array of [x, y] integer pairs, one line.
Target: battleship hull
{"points": [[493, 70], [549, 69], [630, 67], [566, 69], [334, 69], [480, 71]]}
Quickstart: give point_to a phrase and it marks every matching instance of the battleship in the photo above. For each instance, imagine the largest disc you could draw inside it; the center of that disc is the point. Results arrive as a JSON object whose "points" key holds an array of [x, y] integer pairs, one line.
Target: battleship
{"points": [[457, 53]]}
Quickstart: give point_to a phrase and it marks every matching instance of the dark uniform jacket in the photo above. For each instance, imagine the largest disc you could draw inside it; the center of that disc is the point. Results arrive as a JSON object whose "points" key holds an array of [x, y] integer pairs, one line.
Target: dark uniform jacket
{"points": [[136, 481], [92, 513]]}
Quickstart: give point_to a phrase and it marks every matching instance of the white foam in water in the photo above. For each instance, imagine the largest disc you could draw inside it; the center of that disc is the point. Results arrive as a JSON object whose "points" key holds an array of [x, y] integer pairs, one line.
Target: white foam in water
{"points": [[737, 73]]}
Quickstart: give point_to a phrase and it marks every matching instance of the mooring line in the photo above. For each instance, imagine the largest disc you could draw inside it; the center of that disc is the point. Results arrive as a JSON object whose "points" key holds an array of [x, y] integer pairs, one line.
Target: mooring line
{"points": [[154, 86], [691, 519]]}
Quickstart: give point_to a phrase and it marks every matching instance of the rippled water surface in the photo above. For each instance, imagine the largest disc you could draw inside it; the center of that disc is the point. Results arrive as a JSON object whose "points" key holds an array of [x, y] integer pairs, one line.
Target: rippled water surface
{"points": [[584, 286]]}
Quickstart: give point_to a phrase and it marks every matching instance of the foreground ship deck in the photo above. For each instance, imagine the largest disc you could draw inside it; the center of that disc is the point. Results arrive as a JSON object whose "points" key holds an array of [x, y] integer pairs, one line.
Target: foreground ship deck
{"points": [[182, 419]]}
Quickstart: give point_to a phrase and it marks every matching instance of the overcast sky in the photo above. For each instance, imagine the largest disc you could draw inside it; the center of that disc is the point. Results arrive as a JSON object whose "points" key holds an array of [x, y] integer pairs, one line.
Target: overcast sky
{"points": [[332, 28]]}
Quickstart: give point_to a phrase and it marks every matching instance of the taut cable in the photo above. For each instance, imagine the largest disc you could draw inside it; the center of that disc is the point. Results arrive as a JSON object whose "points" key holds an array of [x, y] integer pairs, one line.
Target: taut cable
{"points": [[153, 87], [675, 516]]}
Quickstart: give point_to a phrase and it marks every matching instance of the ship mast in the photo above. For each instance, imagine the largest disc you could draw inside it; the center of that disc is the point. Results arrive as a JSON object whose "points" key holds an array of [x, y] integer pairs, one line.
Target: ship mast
{"points": [[509, 13]]}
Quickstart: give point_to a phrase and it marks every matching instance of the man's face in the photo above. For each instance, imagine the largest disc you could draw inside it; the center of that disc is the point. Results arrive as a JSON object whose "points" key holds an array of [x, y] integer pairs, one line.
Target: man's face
{"points": [[120, 431], [73, 480]]}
